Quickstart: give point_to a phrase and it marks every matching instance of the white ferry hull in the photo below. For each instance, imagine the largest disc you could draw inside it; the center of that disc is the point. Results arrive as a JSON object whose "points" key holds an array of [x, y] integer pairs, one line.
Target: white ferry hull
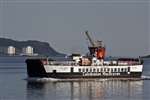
{"points": [[35, 68]]}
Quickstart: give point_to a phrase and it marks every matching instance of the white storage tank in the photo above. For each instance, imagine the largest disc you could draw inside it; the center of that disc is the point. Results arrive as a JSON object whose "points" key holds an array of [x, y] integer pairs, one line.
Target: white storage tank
{"points": [[11, 50], [28, 50]]}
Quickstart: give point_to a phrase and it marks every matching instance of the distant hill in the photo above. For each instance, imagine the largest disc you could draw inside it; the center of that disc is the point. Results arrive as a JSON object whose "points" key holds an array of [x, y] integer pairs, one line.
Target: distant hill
{"points": [[42, 48], [147, 56]]}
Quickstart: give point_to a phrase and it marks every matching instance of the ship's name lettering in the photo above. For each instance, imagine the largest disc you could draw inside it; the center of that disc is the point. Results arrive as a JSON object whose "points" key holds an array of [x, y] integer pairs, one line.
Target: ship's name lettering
{"points": [[99, 74]]}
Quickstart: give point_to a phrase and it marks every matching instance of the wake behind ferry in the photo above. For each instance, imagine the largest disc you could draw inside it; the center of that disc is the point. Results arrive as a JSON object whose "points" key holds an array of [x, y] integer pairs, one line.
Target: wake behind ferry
{"points": [[92, 65]]}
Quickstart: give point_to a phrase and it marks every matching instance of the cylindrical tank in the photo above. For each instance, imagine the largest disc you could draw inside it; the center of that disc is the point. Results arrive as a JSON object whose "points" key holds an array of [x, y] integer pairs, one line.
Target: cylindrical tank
{"points": [[29, 50], [11, 50]]}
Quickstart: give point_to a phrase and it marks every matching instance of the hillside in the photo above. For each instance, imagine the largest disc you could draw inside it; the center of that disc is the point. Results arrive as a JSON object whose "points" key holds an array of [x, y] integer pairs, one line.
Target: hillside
{"points": [[42, 48]]}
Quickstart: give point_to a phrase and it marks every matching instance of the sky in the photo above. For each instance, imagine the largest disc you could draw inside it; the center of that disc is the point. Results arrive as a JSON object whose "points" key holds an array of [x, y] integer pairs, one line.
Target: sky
{"points": [[123, 25]]}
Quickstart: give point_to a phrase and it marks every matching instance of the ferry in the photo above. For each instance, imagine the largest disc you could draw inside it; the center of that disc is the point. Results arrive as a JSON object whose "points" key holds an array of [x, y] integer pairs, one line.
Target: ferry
{"points": [[94, 65]]}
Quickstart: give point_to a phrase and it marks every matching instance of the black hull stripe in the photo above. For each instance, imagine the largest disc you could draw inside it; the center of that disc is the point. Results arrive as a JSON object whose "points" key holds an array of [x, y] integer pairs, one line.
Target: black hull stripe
{"points": [[78, 75]]}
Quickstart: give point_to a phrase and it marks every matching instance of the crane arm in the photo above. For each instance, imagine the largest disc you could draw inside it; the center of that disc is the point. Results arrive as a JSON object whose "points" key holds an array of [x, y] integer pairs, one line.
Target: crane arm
{"points": [[89, 38]]}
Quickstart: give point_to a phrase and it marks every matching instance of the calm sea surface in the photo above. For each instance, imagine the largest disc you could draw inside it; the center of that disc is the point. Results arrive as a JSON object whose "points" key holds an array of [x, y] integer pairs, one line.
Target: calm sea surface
{"points": [[13, 86]]}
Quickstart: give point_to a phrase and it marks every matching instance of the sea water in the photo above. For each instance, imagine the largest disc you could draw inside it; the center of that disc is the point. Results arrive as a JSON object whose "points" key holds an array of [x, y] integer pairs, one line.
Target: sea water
{"points": [[15, 86]]}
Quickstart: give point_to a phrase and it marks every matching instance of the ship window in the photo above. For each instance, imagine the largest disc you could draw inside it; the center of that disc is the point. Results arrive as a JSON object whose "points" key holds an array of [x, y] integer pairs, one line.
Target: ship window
{"points": [[72, 69], [94, 70], [128, 69], [118, 69], [121, 69], [86, 69], [101, 69], [104, 69], [115, 70], [54, 71], [79, 70], [125, 70], [111, 69], [90, 70], [97, 70], [108, 69]]}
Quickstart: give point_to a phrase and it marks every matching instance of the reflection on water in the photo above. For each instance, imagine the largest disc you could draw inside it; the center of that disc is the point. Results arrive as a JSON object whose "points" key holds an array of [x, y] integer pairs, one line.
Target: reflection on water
{"points": [[92, 90]]}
